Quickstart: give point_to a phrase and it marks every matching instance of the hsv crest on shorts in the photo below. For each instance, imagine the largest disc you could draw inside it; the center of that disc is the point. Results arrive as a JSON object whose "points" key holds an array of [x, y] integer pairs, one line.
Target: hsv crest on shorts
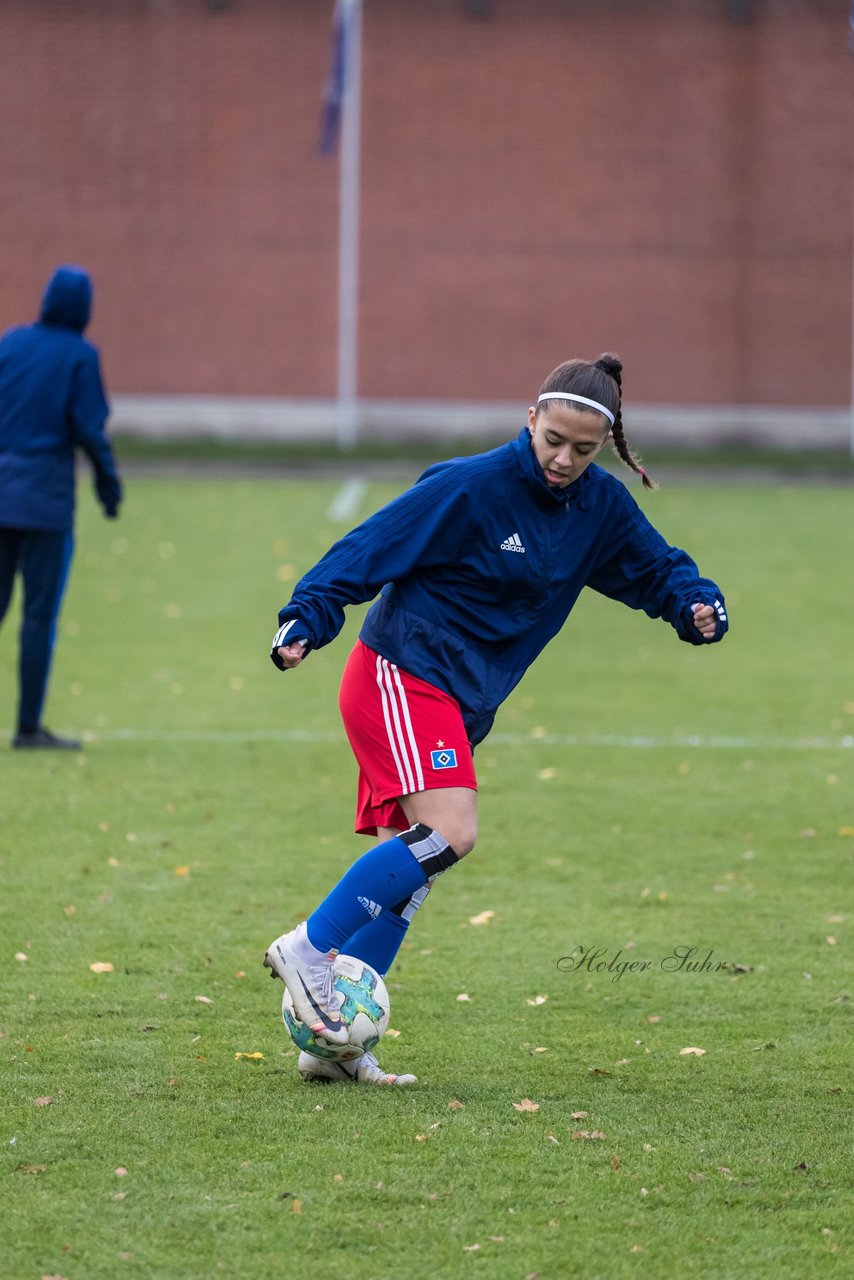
{"points": [[444, 759]]}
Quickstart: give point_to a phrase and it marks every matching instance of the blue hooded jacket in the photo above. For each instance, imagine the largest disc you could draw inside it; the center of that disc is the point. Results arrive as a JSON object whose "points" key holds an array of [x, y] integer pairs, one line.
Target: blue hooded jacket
{"points": [[52, 401], [482, 562]]}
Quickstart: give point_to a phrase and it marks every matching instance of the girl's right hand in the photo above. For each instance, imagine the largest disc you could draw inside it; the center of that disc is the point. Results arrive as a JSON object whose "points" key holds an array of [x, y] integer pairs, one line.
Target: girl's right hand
{"points": [[292, 654]]}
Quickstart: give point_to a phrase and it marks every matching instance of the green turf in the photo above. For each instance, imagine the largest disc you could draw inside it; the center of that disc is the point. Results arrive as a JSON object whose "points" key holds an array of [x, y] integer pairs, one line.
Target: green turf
{"points": [[212, 807]]}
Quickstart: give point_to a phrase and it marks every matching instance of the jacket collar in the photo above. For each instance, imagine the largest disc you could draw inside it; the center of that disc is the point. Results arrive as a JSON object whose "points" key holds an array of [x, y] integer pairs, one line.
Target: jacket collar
{"points": [[532, 474]]}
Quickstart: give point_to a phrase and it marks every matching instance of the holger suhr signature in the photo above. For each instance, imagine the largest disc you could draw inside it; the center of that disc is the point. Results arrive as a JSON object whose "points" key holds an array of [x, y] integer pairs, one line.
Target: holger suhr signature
{"points": [[681, 959]]}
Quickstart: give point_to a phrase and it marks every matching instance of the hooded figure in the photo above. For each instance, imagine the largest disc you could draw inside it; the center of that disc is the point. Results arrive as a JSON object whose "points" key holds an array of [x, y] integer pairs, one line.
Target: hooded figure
{"points": [[52, 402]]}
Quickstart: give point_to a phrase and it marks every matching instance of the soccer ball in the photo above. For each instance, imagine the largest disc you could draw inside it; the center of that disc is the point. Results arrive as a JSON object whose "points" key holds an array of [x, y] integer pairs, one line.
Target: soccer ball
{"points": [[365, 1011]]}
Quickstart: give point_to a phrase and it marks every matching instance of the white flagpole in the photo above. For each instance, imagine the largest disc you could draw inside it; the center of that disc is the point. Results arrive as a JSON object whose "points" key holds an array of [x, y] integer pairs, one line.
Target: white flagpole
{"points": [[348, 229]]}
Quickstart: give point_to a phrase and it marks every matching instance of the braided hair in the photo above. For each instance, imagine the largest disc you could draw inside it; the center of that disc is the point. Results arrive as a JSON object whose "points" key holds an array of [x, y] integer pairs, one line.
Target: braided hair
{"points": [[603, 382]]}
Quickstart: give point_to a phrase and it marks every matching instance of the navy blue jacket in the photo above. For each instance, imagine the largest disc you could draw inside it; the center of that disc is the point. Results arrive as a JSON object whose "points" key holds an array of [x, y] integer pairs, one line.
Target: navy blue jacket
{"points": [[482, 562], [52, 401]]}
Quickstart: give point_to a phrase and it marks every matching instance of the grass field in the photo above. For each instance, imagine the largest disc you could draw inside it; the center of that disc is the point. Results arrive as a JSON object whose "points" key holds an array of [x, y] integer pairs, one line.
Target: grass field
{"points": [[638, 796]]}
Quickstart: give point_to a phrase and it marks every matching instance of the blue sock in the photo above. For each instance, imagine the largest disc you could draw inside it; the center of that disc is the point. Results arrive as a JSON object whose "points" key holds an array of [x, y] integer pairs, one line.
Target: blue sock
{"points": [[378, 941], [387, 875]]}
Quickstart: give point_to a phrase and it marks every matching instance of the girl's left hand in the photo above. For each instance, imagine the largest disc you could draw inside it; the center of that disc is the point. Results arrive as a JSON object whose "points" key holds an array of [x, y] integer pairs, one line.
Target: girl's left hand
{"points": [[705, 620]]}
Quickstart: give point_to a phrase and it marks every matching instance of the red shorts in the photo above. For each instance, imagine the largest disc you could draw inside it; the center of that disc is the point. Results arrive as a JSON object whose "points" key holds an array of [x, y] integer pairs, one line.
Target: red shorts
{"points": [[406, 735]]}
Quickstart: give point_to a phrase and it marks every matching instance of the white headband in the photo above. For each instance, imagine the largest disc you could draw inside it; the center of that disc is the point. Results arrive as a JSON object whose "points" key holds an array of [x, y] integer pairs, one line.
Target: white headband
{"points": [[567, 395]]}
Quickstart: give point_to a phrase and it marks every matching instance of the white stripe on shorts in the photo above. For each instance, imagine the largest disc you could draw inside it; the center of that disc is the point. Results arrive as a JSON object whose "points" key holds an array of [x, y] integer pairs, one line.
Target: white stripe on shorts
{"points": [[398, 724]]}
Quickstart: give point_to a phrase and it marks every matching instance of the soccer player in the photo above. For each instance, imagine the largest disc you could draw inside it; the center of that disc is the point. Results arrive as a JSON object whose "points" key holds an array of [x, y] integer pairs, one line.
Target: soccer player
{"points": [[477, 567], [52, 402]]}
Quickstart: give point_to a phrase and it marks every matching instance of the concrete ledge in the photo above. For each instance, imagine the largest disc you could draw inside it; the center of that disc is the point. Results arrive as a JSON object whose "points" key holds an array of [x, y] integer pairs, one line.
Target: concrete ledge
{"points": [[242, 418]]}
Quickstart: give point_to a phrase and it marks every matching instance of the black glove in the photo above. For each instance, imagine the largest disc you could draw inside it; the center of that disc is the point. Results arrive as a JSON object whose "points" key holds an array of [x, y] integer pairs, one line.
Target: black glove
{"points": [[109, 491]]}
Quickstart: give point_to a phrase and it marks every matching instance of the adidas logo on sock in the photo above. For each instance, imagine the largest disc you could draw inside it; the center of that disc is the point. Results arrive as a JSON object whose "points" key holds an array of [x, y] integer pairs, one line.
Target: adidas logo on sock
{"points": [[513, 543], [373, 908]]}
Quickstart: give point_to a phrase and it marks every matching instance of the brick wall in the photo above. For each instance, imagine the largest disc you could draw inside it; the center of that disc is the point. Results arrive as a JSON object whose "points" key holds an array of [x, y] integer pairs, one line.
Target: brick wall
{"points": [[559, 179]]}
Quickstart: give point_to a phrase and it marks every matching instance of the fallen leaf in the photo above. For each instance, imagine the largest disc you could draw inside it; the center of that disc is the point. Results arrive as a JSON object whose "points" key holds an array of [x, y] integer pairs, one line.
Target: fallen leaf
{"points": [[43, 1102], [578, 1115], [463, 998], [830, 940], [470, 1248], [203, 999], [120, 1195], [526, 1105], [537, 1000], [455, 1105], [69, 911], [599, 1071], [253, 1056], [391, 1032], [181, 871], [845, 831], [578, 1134], [551, 1138], [21, 955], [615, 1163], [101, 966], [421, 1137], [654, 1017], [121, 1172], [297, 1206], [698, 1053], [31, 1168], [622, 1062], [483, 918]]}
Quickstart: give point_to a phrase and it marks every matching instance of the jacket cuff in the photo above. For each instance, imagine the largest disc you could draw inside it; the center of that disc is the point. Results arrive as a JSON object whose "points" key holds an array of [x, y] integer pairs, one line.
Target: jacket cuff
{"points": [[291, 630], [685, 622]]}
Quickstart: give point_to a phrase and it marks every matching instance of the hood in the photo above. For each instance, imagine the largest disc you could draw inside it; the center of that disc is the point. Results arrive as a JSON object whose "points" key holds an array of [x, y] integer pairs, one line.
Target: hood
{"points": [[67, 300]]}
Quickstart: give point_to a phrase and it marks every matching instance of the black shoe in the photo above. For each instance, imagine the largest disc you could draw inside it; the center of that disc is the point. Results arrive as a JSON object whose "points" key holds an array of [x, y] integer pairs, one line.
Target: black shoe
{"points": [[42, 737]]}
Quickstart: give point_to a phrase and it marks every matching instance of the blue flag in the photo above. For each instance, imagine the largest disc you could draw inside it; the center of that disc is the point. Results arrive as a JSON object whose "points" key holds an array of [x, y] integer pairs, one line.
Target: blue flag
{"points": [[333, 92]]}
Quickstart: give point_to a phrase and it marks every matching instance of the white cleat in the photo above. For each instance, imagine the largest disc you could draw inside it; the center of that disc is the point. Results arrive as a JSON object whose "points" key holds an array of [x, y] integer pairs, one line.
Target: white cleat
{"points": [[307, 974], [364, 1070]]}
